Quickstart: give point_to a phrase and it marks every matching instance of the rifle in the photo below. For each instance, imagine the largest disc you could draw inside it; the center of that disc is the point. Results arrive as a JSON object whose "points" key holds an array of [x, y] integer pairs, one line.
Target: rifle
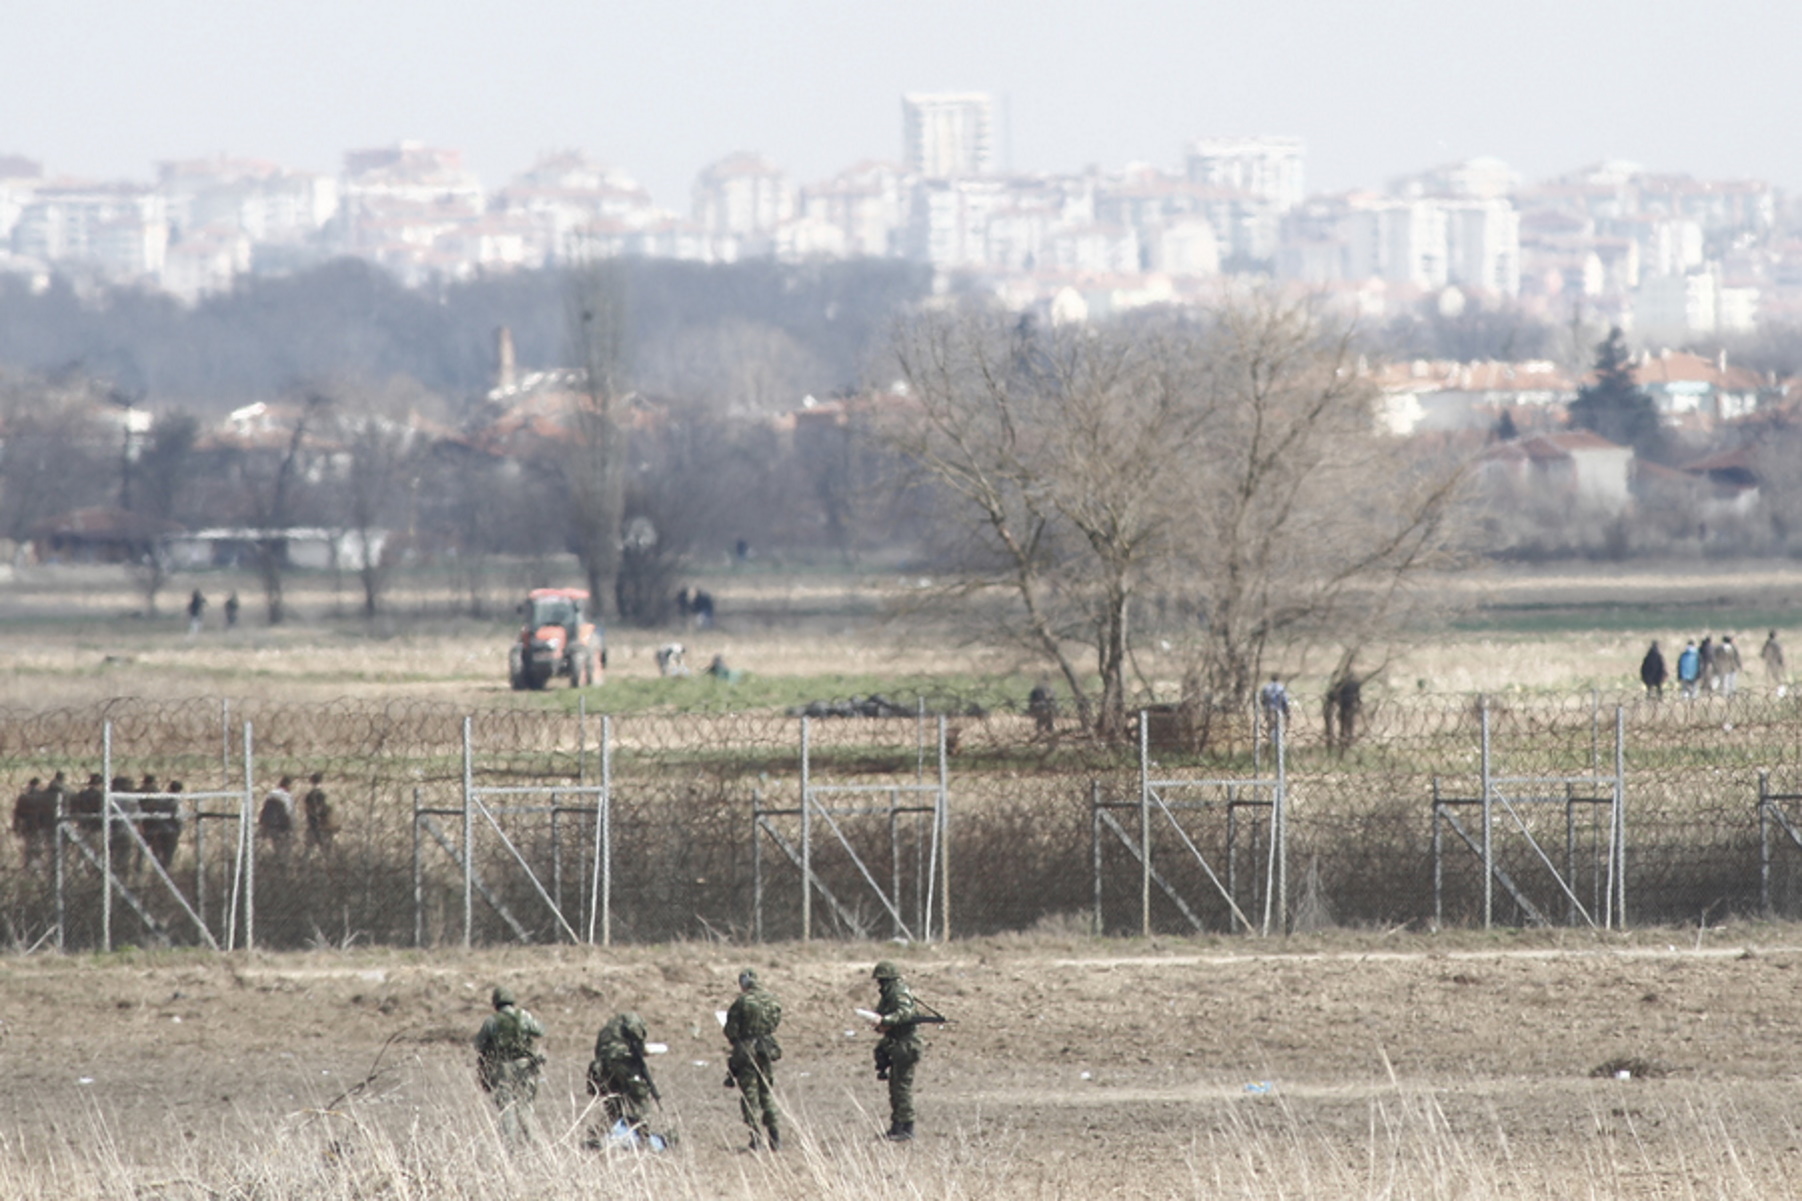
{"points": [[925, 1015], [644, 1072]]}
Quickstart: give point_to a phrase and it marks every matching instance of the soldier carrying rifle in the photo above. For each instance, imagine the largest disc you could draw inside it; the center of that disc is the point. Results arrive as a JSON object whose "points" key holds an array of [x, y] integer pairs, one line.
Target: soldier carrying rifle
{"points": [[898, 1018]]}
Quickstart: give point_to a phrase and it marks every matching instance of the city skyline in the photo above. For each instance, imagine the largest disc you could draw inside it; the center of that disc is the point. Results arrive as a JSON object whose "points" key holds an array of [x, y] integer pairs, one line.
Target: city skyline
{"points": [[106, 89]]}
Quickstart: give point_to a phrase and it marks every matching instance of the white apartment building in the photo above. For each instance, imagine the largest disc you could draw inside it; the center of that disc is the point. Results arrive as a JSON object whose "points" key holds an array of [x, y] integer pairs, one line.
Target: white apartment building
{"points": [[745, 196], [1483, 246], [948, 221], [19, 179], [948, 135], [1270, 169], [1401, 241], [263, 199], [1473, 178], [567, 192], [868, 203], [121, 229], [1674, 308]]}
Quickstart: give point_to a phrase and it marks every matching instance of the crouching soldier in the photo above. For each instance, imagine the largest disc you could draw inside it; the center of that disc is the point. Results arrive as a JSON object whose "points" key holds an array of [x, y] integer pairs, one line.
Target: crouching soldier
{"points": [[619, 1076], [507, 1063]]}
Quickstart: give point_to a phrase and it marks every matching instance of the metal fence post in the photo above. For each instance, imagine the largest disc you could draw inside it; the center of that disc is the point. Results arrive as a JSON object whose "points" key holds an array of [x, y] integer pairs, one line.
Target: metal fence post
{"points": [[604, 869], [469, 835], [1144, 824], [1764, 843], [56, 844], [1280, 813], [248, 843], [418, 879], [1095, 847], [943, 820], [806, 836], [106, 836], [757, 864], [1620, 812], [1488, 844]]}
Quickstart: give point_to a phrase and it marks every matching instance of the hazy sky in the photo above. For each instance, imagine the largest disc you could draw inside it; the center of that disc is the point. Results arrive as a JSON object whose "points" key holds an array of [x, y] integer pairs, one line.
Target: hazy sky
{"points": [[661, 87]]}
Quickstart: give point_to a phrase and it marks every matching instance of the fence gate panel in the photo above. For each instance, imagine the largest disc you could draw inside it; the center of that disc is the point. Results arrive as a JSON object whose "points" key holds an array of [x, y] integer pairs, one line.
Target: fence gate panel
{"points": [[1241, 806], [510, 844], [888, 841], [1557, 864]]}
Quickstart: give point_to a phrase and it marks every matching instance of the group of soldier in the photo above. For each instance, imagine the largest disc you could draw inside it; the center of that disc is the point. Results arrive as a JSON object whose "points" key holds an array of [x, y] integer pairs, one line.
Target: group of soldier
{"points": [[154, 809], [508, 1063]]}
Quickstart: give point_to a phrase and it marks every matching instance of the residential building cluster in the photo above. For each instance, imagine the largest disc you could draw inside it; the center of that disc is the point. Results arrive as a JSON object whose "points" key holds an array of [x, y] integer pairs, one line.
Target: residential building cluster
{"points": [[1668, 257]]}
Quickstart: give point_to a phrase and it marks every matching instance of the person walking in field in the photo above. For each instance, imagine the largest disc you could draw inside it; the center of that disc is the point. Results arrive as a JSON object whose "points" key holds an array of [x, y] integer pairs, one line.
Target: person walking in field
{"points": [[508, 1063], [34, 821], [1772, 655], [751, 1029], [1652, 672], [275, 821], [900, 1048], [1275, 700], [196, 609], [322, 823], [619, 1076], [1705, 663], [1727, 665], [1689, 670]]}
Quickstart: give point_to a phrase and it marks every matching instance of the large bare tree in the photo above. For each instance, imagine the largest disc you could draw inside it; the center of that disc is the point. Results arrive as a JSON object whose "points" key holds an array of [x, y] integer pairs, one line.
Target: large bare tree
{"points": [[1230, 464], [593, 455]]}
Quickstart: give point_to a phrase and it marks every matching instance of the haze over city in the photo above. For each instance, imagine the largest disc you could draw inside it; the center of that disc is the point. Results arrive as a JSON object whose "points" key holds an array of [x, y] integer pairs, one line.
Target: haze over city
{"points": [[107, 88]]}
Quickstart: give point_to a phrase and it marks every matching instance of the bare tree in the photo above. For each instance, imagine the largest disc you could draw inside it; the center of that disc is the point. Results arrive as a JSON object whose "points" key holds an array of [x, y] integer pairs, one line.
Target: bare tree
{"points": [[380, 468], [593, 454], [1068, 447], [1232, 465], [1312, 527], [273, 485]]}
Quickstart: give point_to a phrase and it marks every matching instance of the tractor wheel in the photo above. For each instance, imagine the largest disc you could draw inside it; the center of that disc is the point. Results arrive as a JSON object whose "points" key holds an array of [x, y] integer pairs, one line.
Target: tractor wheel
{"points": [[516, 675]]}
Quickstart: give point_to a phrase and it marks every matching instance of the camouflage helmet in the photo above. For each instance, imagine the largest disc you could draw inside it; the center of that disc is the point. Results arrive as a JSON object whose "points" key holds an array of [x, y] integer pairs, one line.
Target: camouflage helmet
{"points": [[747, 979], [502, 996], [885, 970], [633, 1026]]}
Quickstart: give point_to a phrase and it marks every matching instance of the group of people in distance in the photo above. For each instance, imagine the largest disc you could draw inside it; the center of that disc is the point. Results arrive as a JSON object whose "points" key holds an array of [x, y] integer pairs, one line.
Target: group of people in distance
{"points": [[508, 1063], [275, 821], [153, 810], [1709, 667]]}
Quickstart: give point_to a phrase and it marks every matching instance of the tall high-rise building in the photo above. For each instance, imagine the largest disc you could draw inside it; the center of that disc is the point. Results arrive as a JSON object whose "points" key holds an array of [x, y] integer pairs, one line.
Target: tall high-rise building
{"points": [[945, 135], [1267, 168]]}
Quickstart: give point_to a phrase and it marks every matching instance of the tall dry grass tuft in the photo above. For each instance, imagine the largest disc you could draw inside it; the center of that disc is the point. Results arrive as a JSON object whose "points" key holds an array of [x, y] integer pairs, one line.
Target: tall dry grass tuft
{"points": [[431, 1138]]}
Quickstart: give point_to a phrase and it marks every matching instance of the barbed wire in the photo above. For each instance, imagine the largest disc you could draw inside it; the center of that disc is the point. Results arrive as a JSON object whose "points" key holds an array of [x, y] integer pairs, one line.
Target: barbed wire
{"points": [[1022, 840]]}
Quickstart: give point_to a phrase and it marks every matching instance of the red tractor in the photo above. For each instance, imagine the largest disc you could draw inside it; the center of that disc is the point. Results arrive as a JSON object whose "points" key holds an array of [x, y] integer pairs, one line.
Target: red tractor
{"points": [[556, 641]]}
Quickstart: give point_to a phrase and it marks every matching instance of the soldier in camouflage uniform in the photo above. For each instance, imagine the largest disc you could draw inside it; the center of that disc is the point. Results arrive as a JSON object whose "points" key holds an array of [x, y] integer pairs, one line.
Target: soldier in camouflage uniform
{"points": [[751, 1029], [899, 1049], [618, 1076], [507, 1063]]}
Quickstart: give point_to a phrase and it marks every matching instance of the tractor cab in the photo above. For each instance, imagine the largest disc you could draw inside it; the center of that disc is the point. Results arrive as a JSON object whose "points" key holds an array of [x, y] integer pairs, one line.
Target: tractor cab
{"points": [[556, 639]]}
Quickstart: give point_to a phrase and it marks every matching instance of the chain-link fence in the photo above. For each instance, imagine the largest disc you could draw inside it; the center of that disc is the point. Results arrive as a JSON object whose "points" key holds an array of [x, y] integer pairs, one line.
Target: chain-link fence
{"points": [[673, 826]]}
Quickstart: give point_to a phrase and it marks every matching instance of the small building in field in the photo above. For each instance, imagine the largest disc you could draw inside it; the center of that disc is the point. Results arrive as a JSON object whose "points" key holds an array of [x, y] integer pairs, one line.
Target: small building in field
{"points": [[304, 547], [100, 534], [1575, 467]]}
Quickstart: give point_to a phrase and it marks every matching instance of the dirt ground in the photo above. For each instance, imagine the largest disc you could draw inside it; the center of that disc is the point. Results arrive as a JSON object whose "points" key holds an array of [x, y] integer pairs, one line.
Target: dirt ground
{"points": [[1073, 1067]]}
